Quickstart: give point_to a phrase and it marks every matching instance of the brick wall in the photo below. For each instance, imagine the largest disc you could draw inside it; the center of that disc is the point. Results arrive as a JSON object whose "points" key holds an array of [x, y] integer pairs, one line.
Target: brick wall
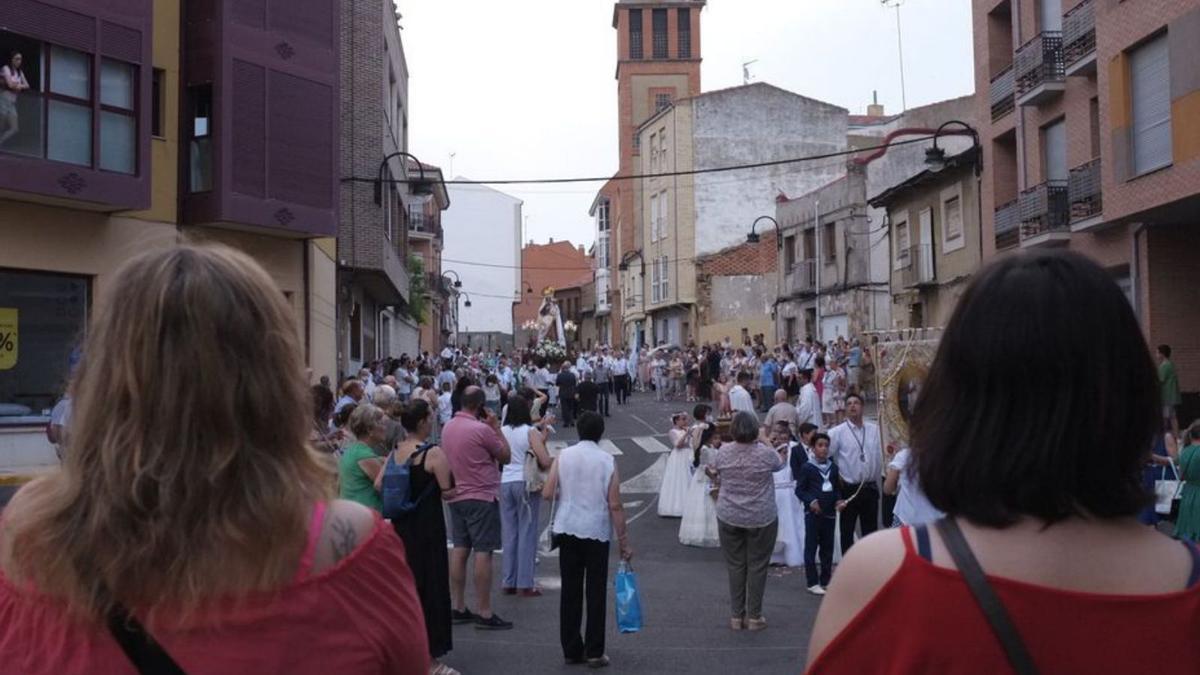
{"points": [[559, 264], [761, 258], [1173, 285]]}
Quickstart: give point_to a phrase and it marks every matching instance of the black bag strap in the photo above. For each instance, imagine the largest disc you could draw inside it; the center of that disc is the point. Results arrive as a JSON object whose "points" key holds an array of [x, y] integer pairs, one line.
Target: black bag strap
{"points": [[985, 596], [146, 655]]}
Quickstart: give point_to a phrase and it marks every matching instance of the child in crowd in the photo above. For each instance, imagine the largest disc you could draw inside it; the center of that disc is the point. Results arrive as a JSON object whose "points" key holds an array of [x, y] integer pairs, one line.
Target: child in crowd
{"points": [[815, 487]]}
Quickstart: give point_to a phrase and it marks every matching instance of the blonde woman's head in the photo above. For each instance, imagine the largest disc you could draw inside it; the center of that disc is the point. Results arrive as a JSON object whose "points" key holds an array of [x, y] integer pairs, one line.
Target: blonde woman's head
{"points": [[188, 473]]}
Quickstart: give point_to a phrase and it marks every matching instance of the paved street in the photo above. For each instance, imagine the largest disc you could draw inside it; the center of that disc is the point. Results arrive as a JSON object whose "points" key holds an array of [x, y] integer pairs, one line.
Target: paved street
{"points": [[684, 592]]}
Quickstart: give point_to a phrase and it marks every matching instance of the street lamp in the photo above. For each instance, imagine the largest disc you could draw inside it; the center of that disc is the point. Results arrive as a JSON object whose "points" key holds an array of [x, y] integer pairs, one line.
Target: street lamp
{"points": [[935, 157], [625, 260], [457, 279], [468, 297], [421, 186], [754, 238]]}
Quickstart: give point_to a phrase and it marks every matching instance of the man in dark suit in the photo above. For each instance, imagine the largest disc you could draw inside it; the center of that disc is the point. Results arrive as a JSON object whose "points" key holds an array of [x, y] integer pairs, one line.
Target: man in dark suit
{"points": [[566, 382], [587, 393]]}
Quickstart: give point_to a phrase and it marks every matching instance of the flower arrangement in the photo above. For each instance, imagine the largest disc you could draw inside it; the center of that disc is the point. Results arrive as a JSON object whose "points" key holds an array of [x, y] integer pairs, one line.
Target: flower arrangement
{"points": [[551, 351], [531, 324], [570, 327]]}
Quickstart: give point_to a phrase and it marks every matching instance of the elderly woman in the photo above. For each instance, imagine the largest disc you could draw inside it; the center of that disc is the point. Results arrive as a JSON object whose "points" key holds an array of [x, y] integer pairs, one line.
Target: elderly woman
{"points": [[362, 460], [747, 520]]}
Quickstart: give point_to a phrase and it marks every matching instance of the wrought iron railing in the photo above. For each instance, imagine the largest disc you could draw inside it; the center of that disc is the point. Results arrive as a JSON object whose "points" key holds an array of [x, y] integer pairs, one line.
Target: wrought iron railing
{"points": [[1079, 33], [1084, 192], [1044, 208], [1007, 220], [1039, 61], [1003, 93]]}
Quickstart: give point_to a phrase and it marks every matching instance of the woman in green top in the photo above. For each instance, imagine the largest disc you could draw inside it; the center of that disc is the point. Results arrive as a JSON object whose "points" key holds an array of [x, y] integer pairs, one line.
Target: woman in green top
{"points": [[362, 460], [1187, 526]]}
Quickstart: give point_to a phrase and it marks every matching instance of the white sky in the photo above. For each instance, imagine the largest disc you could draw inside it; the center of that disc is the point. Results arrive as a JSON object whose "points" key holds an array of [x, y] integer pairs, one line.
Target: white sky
{"points": [[527, 88]]}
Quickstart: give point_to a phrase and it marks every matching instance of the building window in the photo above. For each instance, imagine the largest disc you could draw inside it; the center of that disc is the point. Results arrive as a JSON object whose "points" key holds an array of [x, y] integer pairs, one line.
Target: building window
{"points": [[637, 141], [602, 221], [661, 102], [602, 259], [789, 330], [356, 336], [662, 215], [653, 218], [952, 223], [157, 103], [635, 34], [662, 149], [685, 33], [653, 152], [789, 254], [658, 18], [42, 320], [901, 243], [69, 109], [389, 198], [829, 242], [654, 287], [1150, 91], [200, 148], [664, 277], [118, 123]]}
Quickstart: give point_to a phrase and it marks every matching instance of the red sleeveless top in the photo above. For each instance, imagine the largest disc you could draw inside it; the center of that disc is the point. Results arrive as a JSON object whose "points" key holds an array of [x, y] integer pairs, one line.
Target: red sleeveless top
{"points": [[925, 620], [360, 616]]}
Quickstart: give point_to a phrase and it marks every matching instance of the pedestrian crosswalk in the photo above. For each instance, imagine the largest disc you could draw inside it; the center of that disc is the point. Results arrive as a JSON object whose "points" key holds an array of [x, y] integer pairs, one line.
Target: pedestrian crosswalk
{"points": [[651, 445]]}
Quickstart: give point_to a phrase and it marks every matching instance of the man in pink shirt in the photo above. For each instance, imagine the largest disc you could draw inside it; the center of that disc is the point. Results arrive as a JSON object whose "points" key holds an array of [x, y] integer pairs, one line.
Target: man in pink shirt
{"points": [[476, 450]]}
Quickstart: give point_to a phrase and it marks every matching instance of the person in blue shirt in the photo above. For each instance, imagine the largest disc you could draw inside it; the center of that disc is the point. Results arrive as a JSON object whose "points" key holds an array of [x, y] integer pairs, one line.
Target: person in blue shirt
{"points": [[815, 486], [768, 382]]}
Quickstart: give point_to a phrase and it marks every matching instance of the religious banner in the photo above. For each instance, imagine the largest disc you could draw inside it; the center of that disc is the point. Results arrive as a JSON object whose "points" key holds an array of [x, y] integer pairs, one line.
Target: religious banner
{"points": [[902, 359]]}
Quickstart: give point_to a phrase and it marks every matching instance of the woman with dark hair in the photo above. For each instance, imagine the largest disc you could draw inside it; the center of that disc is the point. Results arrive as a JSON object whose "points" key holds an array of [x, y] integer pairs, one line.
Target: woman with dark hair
{"points": [[12, 82], [424, 528], [460, 386], [1030, 434], [320, 436], [521, 497]]}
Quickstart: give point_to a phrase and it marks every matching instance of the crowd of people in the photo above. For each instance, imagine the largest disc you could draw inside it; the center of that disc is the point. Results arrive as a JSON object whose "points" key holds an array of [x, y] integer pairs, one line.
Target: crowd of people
{"points": [[1030, 435]]}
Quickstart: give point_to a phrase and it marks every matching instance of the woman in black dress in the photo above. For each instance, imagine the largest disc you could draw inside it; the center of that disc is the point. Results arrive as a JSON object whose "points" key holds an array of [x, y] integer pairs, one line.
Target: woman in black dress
{"points": [[424, 529]]}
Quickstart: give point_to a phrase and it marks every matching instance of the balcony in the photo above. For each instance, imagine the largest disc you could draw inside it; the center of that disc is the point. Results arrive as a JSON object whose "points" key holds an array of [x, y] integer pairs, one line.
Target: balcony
{"points": [[423, 224], [1007, 224], [1079, 39], [1003, 93], [1086, 199], [633, 302], [1038, 67], [436, 283], [1045, 214], [919, 270], [802, 279]]}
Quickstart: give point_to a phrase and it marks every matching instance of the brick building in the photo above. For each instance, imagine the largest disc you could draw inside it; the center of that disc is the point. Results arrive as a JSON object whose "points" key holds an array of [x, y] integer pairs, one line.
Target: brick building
{"points": [[1091, 143], [658, 62], [735, 290], [553, 265], [426, 240]]}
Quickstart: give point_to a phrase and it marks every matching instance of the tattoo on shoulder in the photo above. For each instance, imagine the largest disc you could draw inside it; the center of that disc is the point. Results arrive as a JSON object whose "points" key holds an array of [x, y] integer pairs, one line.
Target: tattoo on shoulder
{"points": [[345, 538]]}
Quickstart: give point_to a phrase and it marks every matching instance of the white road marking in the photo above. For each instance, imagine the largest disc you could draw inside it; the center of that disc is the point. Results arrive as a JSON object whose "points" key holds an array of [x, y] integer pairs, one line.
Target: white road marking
{"points": [[644, 423], [610, 447], [648, 481], [556, 447], [651, 445]]}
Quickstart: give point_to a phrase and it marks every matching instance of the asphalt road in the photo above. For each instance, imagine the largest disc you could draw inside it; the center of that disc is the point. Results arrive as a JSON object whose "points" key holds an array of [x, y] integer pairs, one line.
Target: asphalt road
{"points": [[684, 590]]}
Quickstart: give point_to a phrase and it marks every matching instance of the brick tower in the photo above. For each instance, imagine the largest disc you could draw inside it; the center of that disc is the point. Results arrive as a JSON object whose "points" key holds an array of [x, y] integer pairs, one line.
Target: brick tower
{"points": [[658, 62]]}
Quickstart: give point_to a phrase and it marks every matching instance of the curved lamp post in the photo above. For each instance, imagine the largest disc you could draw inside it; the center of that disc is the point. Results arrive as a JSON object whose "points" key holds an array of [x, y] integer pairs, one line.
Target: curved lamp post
{"points": [[754, 238], [935, 157], [421, 186], [457, 280], [468, 297], [625, 260]]}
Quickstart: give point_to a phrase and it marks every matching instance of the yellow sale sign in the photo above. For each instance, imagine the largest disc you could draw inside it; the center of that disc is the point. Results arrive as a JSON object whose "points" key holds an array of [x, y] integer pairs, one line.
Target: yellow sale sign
{"points": [[8, 338]]}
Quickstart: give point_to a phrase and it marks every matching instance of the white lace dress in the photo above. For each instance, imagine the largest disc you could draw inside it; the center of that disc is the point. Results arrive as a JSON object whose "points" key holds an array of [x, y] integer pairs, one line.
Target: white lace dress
{"points": [[676, 476], [699, 524], [789, 542]]}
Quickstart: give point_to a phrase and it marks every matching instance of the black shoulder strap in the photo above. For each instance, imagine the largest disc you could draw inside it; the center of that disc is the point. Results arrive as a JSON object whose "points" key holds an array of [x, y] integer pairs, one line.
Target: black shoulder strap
{"points": [[988, 601], [146, 655]]}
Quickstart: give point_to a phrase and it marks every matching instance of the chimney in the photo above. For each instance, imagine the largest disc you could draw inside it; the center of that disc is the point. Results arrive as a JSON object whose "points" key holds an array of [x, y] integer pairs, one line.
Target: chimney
{"points": [[551, 240], [875, 109]]}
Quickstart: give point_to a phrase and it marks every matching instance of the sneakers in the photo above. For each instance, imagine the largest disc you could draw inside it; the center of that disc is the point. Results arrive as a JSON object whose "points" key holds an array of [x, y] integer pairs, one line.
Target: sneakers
{"points": [[816, 590], [598, 662], [493, 622], [465, 616]]}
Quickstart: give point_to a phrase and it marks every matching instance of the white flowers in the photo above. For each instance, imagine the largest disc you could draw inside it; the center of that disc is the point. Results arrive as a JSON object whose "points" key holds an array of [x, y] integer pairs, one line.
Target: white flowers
{"points": [[570, 326]]}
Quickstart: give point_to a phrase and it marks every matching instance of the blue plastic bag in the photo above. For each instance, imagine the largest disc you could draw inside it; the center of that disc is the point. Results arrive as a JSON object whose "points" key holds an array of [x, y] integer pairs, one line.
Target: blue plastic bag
{"points": [[629, 605]]}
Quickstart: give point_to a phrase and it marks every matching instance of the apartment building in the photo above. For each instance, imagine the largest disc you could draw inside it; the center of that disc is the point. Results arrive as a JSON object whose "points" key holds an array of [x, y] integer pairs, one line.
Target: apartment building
{"points": [[1091, 143], [149, 122], [426, 241]]}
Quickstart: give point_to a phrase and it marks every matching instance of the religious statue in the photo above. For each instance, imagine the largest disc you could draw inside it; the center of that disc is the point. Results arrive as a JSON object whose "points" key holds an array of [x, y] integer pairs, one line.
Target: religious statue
{"points": [[550, 319]]}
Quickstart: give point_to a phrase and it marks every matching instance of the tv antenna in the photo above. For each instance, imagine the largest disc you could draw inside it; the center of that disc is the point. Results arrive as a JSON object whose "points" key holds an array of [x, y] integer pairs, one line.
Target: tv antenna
{"points": [[746, 76], [899, 48]]}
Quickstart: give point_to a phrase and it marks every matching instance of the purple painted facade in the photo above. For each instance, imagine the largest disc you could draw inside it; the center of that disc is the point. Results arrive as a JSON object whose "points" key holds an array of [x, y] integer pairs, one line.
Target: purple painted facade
{"points": [[118, 30], [272, 66]]}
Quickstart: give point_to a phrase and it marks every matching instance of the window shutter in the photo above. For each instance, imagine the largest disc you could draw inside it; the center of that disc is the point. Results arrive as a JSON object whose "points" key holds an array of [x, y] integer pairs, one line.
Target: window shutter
{"points": [[1151, 94]]}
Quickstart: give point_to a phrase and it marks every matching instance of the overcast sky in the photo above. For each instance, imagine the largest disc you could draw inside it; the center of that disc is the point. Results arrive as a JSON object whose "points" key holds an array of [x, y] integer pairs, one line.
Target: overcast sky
{"points": [[526, 88]]}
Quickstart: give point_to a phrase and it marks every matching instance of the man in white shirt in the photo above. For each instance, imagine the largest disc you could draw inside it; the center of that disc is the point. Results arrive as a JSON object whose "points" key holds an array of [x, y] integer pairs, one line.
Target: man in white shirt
{"points": [[368, 382], [739, 396], [620, 371], [405, 379], [856, 448], [808, 403], [505, 374]]}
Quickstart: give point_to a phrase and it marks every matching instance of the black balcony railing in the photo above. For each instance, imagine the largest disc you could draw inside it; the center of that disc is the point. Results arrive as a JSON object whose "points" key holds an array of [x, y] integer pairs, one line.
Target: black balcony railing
{"points": [[1044, 208], [1039, 61], [1079, 33], [919, 270], [1083, 190], [1007, 224], [1003, 93]]}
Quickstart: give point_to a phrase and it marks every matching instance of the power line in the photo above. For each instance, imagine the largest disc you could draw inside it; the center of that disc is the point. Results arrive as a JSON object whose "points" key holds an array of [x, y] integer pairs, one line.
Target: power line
{"points": [[670, 174]]}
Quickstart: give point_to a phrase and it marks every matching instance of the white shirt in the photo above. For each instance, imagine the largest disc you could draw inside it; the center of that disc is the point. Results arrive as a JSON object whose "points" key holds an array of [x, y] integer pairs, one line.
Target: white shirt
{"points": [[808, 406], [789, 368], [805, 361], [740, 400], [620, 367], [912, 506], [518, 442], [445, 408], [857, 451], [446, 376], [447, 353], [505, 375], [404, 381], [584, 472]]}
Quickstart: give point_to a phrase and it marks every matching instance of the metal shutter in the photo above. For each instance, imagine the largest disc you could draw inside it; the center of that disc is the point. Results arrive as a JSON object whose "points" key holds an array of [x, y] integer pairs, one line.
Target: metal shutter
{"points": [[1150, 89]]}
